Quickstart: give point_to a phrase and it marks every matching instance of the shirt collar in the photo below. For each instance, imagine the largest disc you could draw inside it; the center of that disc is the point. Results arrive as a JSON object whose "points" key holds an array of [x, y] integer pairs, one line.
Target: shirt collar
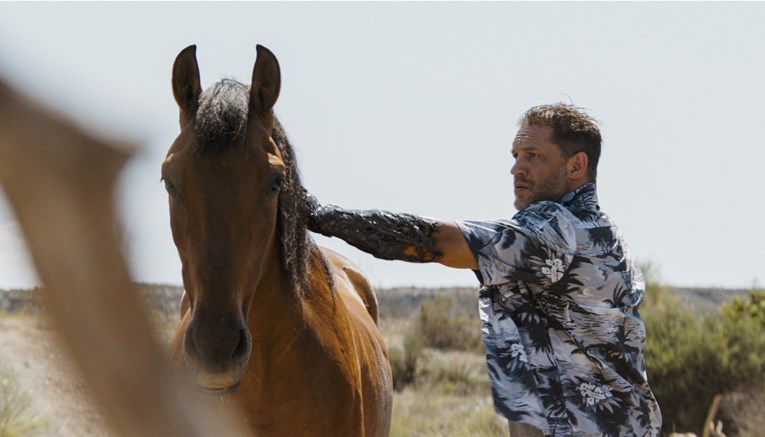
{"points": [[583, 197]]}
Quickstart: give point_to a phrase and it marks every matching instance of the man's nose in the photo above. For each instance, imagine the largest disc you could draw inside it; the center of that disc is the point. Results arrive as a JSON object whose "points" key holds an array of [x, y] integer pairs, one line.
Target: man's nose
{"points": [[518, 168]]}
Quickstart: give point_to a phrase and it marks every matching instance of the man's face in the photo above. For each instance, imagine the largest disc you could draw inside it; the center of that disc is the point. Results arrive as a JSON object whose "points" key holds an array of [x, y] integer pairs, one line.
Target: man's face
{"points": [[540, 170]]}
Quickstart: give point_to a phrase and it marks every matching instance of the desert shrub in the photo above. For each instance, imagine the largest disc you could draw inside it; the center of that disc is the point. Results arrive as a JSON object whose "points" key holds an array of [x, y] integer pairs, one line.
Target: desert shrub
{"points": [[442, 324], [404, 362], [692, 358], [14, 405]]}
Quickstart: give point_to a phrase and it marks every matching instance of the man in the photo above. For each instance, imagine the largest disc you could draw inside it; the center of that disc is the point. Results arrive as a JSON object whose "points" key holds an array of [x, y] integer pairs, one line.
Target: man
{"points": [[559, 296]]}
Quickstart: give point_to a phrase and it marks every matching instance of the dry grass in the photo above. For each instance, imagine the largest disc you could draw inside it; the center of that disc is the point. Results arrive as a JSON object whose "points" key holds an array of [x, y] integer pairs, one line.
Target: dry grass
{"points": [[422, 412], [14, 406], [450, 397]]}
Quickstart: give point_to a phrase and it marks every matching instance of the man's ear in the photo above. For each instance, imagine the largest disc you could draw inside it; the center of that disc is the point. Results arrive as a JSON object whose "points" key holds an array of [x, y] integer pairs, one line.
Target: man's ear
{"points": [[577, 165]]}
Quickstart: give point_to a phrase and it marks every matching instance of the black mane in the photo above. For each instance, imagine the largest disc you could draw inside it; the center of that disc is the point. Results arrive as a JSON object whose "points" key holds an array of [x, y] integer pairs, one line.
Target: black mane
{"points": [[221, 119], [296, 246]]}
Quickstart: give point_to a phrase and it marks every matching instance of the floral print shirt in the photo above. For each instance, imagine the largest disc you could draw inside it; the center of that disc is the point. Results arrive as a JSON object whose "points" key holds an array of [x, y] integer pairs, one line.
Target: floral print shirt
{"points": [[559, 311]]}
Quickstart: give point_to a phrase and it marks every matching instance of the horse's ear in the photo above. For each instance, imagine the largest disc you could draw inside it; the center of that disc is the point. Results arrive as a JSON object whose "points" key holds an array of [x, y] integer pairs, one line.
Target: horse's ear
{"points": [[186, 84], [266, 82]]}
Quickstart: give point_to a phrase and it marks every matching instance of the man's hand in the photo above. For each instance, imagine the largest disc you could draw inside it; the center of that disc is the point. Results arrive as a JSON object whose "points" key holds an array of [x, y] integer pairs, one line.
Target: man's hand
{"points": [[312, 207]]}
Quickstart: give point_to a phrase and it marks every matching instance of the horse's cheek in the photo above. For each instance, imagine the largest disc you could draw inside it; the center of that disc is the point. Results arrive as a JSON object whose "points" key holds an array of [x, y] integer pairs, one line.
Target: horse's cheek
{"points": [[178, 225]]}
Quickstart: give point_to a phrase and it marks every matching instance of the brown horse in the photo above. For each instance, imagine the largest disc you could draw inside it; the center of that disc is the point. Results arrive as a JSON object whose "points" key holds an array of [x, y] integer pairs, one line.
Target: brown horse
{"points": [[285, 328]]}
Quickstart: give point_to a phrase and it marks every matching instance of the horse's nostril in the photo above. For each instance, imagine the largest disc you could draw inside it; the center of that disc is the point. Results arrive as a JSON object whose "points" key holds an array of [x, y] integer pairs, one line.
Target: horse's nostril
{"points": [[217, 348], [189, 344], [243, 347]]}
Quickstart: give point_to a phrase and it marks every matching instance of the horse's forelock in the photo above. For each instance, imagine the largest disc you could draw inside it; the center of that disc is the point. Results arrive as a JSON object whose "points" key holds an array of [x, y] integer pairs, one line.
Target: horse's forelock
{"points": [[222, 115]]}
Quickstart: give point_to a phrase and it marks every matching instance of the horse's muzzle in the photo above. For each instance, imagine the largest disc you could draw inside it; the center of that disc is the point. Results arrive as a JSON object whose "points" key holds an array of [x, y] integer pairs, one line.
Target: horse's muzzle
{"points": [[217, 385], [216, 359]]}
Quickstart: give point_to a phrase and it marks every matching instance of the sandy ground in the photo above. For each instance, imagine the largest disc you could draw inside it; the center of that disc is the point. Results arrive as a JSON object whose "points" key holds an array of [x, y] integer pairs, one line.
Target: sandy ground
{"points": [[59, 405]]}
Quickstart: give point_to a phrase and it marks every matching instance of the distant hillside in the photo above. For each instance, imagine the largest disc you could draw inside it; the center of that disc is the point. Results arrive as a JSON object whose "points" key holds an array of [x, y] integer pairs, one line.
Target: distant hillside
{"points": [[398, 302], [158, 297], [705, 300], [401, 302]]}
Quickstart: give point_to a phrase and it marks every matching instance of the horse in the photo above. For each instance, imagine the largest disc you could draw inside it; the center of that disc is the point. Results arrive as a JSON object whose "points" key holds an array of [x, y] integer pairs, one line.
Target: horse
{"points": [[284, 328]]}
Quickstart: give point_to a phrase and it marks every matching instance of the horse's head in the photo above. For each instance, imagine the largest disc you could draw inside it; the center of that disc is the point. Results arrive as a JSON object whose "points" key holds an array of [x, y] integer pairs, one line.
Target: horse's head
{"points": [[223, 175]]}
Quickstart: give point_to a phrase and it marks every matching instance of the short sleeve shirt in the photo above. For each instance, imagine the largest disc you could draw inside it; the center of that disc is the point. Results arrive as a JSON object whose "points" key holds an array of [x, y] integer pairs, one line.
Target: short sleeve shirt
{"points": [[559, 313]]}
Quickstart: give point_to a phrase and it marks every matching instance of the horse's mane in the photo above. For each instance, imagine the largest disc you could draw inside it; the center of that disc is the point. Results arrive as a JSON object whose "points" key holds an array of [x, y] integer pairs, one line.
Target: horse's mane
{"points": [[222, 118], [297, 247]]}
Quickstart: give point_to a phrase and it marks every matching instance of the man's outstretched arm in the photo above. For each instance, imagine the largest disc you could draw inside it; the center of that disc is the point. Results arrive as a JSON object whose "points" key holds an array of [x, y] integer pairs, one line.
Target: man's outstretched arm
{"points": [[393, 236]]}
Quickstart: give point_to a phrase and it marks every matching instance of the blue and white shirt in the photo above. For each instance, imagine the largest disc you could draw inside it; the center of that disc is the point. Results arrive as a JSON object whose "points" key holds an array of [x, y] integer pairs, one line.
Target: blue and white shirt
{"points": [[559, 311]]}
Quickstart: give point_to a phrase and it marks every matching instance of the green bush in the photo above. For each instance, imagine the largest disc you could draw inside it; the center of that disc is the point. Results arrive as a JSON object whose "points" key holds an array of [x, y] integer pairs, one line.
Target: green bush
{"points": [[754, 308], [691, 358]]}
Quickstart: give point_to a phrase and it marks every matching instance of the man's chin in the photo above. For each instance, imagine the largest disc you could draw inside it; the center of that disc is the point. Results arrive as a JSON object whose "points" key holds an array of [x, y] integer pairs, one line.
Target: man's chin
{"points": [[523, 197]]}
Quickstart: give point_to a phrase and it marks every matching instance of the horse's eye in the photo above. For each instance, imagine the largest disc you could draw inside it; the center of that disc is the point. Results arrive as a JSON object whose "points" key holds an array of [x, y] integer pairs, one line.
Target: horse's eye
{"points": [[276, 186], [170, 187]]}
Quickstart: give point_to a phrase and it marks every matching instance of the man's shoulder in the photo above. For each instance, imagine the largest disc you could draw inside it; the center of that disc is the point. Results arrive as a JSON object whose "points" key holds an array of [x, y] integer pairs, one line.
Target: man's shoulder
{"points": [[551, 222], [535, 218], [542, 214], [548, 223], [543, 207]]}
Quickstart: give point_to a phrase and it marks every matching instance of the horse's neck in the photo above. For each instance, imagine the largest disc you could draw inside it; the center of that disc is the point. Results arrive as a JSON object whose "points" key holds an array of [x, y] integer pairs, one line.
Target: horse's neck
{"points": [[277, 309], [272, 294]]}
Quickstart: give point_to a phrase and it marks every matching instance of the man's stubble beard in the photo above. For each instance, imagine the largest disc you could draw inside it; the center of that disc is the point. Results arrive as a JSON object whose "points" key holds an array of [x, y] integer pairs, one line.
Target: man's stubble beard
{"points": [[553, 189]]}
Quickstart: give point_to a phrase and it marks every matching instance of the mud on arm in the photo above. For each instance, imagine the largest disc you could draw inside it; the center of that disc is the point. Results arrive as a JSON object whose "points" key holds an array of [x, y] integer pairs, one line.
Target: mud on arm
{"points": [[383, 234]]}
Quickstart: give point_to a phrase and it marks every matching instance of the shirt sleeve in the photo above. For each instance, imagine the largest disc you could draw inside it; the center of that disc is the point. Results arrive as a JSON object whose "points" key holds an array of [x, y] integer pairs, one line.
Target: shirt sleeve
{"points": [[536, 246]]}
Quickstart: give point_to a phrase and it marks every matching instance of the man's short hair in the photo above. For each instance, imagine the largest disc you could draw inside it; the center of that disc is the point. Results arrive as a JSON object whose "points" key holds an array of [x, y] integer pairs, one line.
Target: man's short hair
{"points": [[572, 130]]}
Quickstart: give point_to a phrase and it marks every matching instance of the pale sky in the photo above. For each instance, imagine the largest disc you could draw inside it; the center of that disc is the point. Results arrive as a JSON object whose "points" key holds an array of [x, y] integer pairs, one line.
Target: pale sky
{"points": [[412, 107]]}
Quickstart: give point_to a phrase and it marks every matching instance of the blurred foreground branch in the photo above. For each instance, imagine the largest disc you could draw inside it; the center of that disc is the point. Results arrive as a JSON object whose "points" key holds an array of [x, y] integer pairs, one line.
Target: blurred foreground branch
{"points": [[60, 182]]}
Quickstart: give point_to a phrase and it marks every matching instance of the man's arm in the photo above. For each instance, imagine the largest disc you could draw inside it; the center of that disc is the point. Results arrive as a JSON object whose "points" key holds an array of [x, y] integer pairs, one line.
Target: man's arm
{"points": [[392, 236]]}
